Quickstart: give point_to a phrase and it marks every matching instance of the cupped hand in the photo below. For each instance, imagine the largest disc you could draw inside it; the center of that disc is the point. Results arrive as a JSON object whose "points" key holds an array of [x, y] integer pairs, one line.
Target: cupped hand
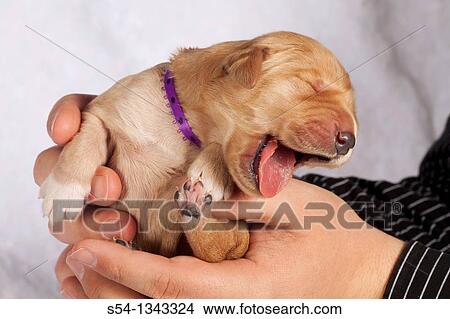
{"points": [[300, 258], [336, 257]]}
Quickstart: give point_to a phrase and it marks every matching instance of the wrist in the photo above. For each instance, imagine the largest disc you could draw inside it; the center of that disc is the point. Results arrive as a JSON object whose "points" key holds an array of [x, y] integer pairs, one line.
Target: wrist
{"points": [[377, 263]]}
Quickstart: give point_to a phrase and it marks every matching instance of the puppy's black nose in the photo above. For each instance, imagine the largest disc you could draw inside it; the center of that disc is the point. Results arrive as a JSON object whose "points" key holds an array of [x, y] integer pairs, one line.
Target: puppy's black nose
{"points": [[344, 142]]}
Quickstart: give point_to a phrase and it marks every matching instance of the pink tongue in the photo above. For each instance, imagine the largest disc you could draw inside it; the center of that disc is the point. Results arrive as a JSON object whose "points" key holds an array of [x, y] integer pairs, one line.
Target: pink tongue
{"points": [[276, 167]]}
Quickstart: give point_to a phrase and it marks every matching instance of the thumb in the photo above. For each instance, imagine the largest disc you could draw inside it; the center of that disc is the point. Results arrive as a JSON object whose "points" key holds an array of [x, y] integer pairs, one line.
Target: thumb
{"points": [[157, 276]]}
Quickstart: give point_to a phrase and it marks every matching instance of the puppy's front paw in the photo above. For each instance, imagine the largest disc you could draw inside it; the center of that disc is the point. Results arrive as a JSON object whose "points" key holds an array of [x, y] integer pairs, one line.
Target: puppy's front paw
{"points": [[192, 198], [210, 239], [69, 197]]}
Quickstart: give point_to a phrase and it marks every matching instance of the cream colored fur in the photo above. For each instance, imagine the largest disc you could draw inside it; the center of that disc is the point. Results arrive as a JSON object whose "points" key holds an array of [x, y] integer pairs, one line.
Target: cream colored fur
{"points": [[233, 94]]}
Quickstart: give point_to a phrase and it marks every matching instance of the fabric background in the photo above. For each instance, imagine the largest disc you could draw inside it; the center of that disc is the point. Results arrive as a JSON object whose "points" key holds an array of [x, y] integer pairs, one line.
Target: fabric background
{"points": [[402, 94]]}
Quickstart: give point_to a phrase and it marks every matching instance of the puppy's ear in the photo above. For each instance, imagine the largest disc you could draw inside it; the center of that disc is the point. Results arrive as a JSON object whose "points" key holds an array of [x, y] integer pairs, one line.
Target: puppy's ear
{"points": [[244, 66]]}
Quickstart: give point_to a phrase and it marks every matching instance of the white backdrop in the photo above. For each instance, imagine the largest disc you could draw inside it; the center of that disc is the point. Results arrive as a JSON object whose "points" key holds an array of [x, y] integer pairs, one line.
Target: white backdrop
{"points": [[402, 95]]}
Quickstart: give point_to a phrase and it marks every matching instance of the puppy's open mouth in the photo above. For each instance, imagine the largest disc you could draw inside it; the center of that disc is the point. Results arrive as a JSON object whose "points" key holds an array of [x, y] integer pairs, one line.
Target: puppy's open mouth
{"points": [[274, 163]]}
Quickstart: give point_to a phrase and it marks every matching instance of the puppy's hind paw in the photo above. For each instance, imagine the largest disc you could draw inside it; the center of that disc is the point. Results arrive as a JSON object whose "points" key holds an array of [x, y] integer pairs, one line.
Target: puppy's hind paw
{"points": [[68, 199]]}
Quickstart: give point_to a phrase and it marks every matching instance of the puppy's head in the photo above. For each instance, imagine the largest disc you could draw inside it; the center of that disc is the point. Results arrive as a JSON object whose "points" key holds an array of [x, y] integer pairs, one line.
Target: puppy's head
{"points": [[278, 101]]}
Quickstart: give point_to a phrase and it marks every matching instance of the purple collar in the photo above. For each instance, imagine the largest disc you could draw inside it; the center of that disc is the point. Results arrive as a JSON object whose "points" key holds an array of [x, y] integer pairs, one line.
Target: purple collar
{"points": [[177, 110]]}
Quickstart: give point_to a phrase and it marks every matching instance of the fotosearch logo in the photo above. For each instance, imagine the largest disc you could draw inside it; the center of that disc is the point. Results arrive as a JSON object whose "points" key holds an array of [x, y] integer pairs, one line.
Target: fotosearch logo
{"points": [[217, 214]]}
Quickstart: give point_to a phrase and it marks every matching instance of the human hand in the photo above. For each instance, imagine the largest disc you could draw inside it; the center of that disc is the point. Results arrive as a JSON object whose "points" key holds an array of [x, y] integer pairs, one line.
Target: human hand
{"points": [[63, 123], [324, 261]]}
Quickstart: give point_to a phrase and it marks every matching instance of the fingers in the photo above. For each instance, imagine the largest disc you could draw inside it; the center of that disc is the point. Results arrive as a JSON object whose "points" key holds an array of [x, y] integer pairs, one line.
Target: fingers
{"points": [[61, 270], [96, 286], [160, 277], [105, 185], [71, 288], [65, 118], [95, 223], [91, 285], [44, 163]]}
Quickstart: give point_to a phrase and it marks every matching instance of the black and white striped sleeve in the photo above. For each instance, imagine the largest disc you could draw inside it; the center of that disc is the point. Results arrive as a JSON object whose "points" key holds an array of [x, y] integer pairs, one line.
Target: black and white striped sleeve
{"points": [[420, 272]]}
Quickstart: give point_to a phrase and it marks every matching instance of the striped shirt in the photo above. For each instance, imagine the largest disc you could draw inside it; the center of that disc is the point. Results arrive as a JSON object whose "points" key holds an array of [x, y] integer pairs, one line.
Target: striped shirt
{"points": [[416, 210], [420, 272]]}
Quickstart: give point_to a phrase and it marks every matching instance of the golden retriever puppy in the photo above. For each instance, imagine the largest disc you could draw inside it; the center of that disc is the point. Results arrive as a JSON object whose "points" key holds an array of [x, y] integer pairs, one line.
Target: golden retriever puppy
{"points": [[237, 114]]}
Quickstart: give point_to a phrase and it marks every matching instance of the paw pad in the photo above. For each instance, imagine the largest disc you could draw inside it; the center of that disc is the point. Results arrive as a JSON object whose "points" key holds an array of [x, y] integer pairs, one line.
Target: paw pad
{"points": [[192, 198]]}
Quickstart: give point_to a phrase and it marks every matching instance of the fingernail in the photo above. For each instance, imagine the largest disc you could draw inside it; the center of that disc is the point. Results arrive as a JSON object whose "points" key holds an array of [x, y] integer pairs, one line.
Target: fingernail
{"points": [[100, 186], [76, 267], [79, 259], [66, 294], [52, 123]]}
